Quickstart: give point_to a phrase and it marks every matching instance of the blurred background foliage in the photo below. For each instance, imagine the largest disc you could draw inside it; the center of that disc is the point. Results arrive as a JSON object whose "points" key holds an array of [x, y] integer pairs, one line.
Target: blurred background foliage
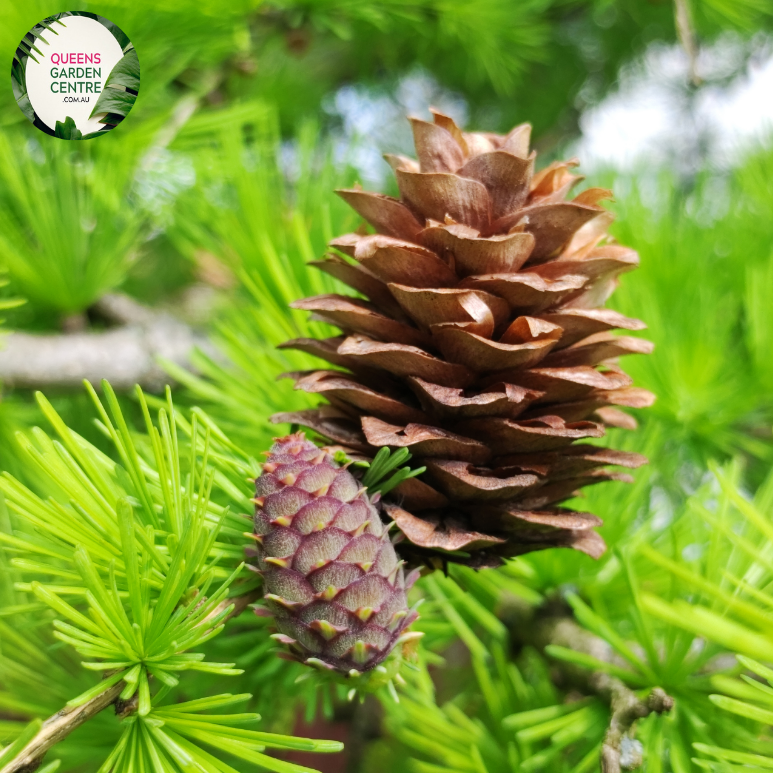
{"points": [[213, 196]]}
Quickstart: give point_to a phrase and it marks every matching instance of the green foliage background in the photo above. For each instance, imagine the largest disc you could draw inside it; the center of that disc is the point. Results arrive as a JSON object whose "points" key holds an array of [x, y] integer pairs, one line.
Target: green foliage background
{"points": [[193, 191]]}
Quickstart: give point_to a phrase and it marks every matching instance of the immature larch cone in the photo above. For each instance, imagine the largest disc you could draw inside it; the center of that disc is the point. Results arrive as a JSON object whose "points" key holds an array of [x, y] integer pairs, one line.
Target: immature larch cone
{"points": [[332, 578], [482, 348]]}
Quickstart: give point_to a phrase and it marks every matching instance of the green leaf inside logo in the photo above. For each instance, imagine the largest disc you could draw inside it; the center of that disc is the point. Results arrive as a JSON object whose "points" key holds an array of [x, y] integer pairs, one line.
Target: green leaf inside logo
{"points": [[121, 88], [67, 130]]}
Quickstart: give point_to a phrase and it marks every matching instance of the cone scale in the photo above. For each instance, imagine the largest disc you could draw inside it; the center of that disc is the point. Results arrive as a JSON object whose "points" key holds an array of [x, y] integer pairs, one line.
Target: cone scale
{"points": [[479, 342]]}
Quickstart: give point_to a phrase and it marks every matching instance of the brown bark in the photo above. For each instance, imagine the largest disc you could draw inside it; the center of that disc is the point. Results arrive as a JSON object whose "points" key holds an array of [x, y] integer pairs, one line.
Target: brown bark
{"points": [[58, 727], [625, 706]]}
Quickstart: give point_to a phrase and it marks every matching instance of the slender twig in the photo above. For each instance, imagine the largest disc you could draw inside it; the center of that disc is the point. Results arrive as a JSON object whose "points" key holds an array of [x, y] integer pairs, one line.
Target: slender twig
{"points": [[64, 722], [626, 708], [239, 603], [182, 112], [364, 727], [58, 727], [686, 33]]}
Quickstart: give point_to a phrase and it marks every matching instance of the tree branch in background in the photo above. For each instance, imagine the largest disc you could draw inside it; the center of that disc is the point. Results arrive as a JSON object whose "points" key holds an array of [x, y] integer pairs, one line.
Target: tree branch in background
{"points": [[626, 709], [64, 722], [125, 355], [183, 111], [618, 749], [686, 33]]}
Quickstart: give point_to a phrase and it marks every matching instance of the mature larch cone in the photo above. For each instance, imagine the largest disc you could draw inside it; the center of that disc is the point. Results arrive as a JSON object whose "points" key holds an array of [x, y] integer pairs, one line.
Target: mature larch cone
{"points": [[481, 348]]}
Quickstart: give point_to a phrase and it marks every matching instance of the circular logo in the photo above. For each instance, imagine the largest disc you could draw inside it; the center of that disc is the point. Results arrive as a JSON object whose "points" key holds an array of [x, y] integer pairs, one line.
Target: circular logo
{"points": [[75, 75]]}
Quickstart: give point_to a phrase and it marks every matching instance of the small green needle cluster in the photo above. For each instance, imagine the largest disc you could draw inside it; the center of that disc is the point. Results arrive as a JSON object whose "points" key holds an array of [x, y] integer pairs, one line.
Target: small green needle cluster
{"points": [[136, 569]]}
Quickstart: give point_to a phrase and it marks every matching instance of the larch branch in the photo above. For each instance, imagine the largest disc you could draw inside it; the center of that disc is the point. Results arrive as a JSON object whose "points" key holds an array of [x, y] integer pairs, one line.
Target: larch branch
{"points": [[64, 722], [625, 706]]}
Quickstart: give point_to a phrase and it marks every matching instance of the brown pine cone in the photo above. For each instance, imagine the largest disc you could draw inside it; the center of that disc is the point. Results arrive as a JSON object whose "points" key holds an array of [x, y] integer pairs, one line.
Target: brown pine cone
{"points": [[481, 347]]}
